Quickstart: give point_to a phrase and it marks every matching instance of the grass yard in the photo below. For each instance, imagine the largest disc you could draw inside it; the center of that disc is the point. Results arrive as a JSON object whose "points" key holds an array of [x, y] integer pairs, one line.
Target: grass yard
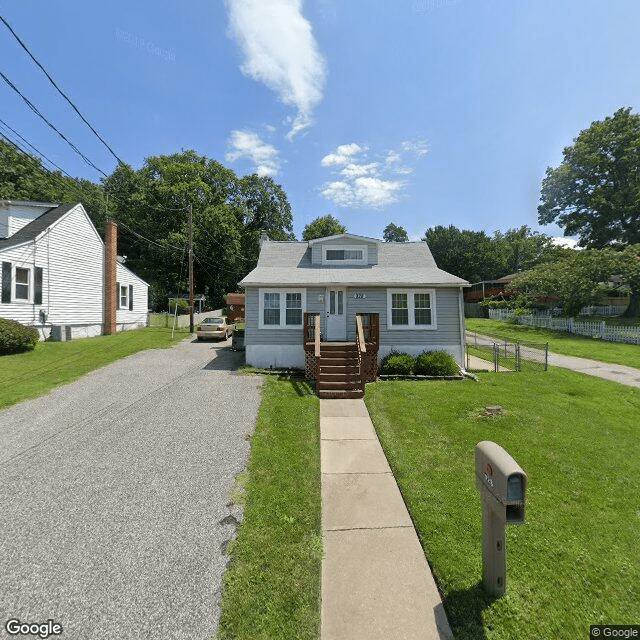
{"points": [[272, 587], [576, 561], [564, 343], [34, 373]]}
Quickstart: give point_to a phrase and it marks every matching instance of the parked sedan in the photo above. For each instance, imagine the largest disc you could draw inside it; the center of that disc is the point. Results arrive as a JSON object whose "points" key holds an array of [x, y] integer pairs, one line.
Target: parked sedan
{"points": [[214, 328]]}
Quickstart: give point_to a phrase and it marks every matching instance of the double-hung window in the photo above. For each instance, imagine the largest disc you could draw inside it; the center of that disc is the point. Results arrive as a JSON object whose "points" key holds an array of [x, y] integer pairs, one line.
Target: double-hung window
{"points": [[411, 309], [22, 283], [124, 296], [281, 308]]}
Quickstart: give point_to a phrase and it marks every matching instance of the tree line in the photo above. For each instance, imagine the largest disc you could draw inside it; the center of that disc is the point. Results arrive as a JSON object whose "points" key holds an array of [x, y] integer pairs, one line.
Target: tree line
{"points": [[594, 193]]}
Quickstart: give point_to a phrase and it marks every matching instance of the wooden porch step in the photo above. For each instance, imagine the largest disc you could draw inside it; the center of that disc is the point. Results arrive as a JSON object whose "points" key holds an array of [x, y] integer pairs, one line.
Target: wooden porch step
{"points": [[340, 395]]}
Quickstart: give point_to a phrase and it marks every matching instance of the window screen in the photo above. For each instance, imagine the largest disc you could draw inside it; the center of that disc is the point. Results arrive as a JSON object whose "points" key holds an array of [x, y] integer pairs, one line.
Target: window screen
{"points": [[294, 308], [271, 308], [399, 309]]}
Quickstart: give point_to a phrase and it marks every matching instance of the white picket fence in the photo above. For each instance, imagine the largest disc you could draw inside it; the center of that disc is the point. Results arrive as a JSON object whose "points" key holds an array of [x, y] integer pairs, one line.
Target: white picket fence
{"points": [[601, 330]]}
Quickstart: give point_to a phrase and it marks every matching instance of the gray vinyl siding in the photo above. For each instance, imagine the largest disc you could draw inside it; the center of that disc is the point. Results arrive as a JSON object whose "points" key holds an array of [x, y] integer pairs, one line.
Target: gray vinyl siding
{"points": [[253, 335], [447, 317]]}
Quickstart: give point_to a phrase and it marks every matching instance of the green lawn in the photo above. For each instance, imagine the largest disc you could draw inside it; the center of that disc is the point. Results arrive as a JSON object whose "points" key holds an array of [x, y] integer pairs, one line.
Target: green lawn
{"points": [[575, 561], [272, 588], [50, 364], [564, 343]]}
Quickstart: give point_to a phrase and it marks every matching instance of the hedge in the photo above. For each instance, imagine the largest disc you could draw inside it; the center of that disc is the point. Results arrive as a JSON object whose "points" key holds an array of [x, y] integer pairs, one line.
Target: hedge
{"points": [[15, 337]]}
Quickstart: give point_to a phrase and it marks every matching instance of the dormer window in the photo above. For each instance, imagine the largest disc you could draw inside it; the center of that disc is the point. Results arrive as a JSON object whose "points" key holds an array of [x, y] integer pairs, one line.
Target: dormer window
{"points": [[341, 255]]}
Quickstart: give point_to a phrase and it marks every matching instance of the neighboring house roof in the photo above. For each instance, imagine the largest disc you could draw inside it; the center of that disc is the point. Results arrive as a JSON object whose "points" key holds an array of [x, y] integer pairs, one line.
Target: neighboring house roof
{"points": [[398, 264], [32, 230]]}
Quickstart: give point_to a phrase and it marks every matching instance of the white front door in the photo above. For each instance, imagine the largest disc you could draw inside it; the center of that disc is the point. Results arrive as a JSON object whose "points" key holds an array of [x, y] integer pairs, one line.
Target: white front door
{"points": [[336, 315]]}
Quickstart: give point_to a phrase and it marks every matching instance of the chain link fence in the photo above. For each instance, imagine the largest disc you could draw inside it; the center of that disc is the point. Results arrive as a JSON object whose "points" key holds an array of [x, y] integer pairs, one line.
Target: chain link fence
{"points": [[503, 355]]}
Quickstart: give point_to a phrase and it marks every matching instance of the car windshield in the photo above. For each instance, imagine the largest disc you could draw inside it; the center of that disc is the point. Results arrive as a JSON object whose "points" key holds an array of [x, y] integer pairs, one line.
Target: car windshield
{"points": [[213, 321]]}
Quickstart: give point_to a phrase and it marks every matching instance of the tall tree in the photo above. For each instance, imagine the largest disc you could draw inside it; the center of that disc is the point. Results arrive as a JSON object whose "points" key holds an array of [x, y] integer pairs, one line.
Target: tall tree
{"points": [[595, 192], [323, 227], [394, 233], [520, 249], [467, 254]]}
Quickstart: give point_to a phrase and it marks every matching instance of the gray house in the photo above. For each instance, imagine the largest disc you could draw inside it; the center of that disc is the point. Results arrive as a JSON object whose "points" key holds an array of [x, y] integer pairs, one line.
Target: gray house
{"points": [[404, 301]]}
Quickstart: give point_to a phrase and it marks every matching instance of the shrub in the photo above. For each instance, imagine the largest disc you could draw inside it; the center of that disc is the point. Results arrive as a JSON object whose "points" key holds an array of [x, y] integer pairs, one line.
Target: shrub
{"points": [[436, 363], [398, 364], [15, 337]]}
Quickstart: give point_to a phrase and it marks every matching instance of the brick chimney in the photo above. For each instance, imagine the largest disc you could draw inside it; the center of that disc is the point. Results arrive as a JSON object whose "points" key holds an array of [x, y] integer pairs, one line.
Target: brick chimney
{"points": [[110, 293]]}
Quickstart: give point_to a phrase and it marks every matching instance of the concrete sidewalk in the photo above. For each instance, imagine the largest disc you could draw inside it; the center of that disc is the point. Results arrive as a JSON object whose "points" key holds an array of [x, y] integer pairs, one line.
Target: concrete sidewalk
{"points": [[376, 582], [623, 374]]}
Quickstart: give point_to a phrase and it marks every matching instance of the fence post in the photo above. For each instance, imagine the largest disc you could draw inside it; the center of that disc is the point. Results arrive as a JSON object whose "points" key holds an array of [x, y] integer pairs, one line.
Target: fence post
{"points": [[496, 357], [518, 363], [546, 356]]}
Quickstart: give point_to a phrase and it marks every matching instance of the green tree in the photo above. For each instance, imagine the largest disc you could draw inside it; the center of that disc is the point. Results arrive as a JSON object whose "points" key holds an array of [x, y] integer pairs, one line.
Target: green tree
{"points": [[595, 192], [24, 177], [466, 254], [581, 278], [151, 205], [394, 233], [261, 205], [323, 227], [520, 249]]}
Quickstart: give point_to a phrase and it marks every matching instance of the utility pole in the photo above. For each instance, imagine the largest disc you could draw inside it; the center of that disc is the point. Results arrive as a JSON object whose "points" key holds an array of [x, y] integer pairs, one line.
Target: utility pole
{"points": [[190, 268]]}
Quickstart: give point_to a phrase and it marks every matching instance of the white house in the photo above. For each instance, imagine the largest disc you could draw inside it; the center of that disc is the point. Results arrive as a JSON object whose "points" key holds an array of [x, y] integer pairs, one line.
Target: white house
{"points": [[53, 272]]}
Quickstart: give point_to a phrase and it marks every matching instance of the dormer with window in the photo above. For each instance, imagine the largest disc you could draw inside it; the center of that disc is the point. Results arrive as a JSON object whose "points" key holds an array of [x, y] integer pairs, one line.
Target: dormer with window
{"points": [[344, 251]]}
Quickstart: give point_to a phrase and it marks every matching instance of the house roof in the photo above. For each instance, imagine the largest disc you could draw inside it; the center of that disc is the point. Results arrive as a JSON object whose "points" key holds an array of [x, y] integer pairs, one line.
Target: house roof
{"points": [[32, 230], [399, 264]]}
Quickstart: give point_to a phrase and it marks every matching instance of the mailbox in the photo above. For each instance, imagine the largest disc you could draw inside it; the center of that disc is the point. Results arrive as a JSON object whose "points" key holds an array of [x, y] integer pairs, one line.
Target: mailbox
{"points": [[499, 475], [502, 484]]}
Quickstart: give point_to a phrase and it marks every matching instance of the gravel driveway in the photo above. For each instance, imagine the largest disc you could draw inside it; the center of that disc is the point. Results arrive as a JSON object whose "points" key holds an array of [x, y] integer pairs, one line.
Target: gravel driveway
{"points": [[114, 495]]}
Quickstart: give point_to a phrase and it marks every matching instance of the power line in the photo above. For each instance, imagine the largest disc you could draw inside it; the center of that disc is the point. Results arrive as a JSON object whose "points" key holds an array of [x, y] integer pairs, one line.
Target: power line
{"points": [[37, 112], [62, 93], [51, 162]]}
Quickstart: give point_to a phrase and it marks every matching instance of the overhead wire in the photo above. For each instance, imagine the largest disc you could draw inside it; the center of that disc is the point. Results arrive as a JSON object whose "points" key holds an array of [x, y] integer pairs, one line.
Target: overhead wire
{"points": [[52, 126], [59, 90], [51, 162]]}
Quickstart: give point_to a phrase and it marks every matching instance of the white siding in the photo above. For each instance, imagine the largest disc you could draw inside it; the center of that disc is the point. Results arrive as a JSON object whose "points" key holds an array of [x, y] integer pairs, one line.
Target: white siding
{"points": [[71, 255], [75, 272], [130, 319]]}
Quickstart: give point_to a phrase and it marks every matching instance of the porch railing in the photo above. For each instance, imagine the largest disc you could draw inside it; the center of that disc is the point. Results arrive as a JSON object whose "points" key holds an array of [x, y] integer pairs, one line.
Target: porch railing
{"points": [[368, 340]]}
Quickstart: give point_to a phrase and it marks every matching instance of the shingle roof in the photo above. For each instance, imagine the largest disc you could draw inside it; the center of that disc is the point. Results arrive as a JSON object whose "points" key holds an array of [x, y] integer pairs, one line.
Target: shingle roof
{"points": [[399, 264], [32, 230]]}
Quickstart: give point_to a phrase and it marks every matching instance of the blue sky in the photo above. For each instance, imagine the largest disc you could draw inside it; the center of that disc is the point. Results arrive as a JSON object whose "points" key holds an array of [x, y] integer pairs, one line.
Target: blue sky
{"points": [[417, 112]]}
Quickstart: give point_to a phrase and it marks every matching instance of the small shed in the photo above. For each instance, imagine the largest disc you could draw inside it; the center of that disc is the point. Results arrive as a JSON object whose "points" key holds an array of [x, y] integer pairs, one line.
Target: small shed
{"points": [[235, 307]]}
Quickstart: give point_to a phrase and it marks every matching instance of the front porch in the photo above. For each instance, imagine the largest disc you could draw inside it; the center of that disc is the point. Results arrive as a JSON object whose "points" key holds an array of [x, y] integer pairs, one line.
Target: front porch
{"points": [[341, 369]]}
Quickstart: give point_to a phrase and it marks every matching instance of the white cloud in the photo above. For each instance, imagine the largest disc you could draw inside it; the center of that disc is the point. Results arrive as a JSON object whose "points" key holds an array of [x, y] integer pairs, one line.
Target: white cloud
{"points": [[368, 182], [353, 170], [280, 51], [342, 155], [417, 147], [246, 144], [363, 192], [569, 243]]}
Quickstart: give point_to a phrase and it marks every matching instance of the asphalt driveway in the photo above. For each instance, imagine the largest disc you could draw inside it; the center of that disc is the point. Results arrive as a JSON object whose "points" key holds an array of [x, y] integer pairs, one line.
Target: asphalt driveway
{"points": [[114, 495]]}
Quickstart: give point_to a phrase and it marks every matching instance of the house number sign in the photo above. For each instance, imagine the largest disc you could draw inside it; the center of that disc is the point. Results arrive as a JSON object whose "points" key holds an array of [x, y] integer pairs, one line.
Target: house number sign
{"points": [[359, 296]]}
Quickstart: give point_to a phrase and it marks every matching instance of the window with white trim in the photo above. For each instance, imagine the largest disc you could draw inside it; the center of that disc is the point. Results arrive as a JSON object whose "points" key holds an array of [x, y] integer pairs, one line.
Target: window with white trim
{"points": [[281, 308], [340, 255], [124, 297], [22, 283], [411, 309]]}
